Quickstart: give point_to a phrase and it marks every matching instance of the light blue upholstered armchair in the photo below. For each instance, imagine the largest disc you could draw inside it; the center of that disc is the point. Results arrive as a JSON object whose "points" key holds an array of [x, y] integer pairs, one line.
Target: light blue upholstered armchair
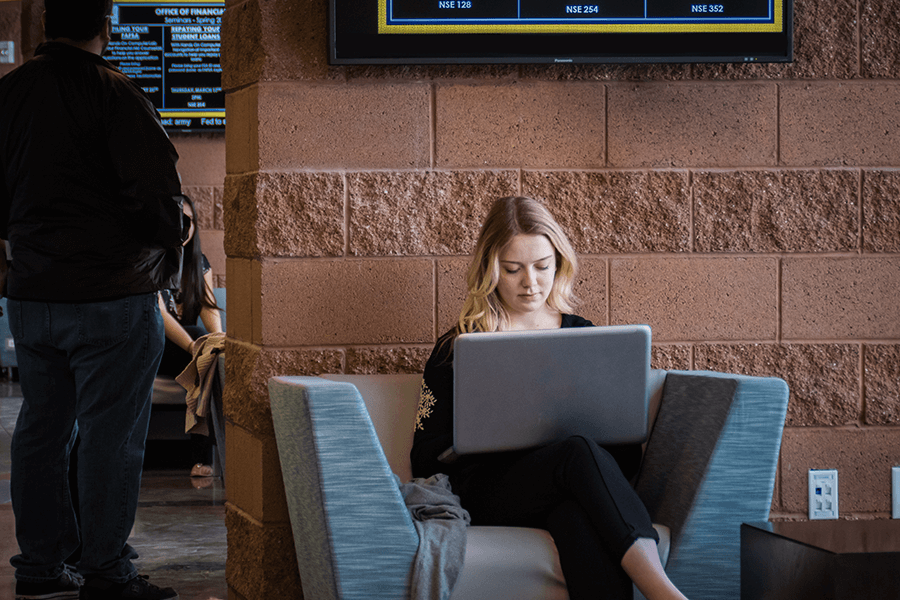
{"points": [[709, 466]]}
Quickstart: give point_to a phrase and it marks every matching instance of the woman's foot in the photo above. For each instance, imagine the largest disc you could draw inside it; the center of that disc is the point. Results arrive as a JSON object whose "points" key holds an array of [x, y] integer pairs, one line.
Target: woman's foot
{"points": [[201, 470]]}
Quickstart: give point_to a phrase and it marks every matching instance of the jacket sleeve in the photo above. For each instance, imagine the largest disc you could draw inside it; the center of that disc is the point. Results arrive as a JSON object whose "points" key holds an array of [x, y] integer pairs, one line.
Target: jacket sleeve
{"points": [[145, 163]]}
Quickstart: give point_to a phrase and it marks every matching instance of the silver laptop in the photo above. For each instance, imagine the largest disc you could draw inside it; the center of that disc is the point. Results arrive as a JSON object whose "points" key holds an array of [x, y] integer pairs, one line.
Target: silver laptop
{"points": [[521, 389]]}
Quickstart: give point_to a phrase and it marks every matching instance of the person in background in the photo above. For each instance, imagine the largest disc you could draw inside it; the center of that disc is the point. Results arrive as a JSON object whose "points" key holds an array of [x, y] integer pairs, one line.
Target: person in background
{"points": [[90, 203], [521, 278], [181, 307]]}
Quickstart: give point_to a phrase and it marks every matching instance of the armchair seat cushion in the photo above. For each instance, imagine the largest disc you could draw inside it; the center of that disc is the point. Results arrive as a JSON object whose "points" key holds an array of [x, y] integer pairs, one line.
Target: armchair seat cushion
{"points": [[518, 562], [510, 562]]}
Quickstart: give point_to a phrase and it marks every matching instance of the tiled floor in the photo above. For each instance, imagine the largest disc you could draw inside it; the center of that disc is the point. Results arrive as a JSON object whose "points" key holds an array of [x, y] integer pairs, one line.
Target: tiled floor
{"points": [[179, 531]]}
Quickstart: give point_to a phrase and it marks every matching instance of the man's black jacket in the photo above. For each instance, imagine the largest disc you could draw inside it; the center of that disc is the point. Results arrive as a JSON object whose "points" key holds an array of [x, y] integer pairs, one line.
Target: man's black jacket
{"points": [[90, 200]]}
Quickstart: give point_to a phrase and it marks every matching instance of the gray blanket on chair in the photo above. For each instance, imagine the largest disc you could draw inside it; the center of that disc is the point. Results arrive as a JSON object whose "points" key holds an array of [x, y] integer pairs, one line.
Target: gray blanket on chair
{"points": [[441, 524]]}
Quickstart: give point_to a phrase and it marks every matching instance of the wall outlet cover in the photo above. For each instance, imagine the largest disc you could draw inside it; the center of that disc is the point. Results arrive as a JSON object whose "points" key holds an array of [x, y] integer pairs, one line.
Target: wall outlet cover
{"points": [[823, 494]]}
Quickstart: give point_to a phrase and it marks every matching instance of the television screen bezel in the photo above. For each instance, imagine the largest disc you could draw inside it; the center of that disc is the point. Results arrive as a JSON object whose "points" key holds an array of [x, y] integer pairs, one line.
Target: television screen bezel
{"points": [[353, 39]]}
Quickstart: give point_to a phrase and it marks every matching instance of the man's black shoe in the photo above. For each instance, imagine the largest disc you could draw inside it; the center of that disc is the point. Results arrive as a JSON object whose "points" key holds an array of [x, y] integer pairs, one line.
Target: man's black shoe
{"points": [[65, 587], [134, 589]]}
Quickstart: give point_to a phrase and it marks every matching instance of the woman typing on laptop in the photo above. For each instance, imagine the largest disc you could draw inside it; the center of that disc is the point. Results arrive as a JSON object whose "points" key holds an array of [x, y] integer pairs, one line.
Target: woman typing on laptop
{"points": [[521, 278]]}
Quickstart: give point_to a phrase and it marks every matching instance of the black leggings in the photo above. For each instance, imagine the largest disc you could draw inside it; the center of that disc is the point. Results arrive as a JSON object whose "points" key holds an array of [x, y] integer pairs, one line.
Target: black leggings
{"points": [[576, 491]]}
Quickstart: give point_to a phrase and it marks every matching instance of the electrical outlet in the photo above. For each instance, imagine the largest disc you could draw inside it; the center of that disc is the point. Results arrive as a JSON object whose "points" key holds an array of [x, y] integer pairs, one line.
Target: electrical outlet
{"points": [[823, 494], [895, 486]]}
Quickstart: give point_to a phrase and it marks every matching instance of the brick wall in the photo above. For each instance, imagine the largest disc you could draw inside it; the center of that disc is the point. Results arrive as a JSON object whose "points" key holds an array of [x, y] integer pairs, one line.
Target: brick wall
{"points": [[748, 213]]}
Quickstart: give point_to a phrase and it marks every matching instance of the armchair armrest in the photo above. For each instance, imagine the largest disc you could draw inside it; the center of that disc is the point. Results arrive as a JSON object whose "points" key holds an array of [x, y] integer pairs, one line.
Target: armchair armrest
{"points": [[353, 533]]}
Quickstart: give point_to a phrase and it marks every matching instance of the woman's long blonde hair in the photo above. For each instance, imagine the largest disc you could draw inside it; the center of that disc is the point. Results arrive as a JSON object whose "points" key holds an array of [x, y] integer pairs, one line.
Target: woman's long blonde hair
{"points": [[483, 309]]}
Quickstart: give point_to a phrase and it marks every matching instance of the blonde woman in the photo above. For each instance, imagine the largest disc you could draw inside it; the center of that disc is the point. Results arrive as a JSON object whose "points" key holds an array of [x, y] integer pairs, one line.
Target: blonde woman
{"points": [[521, 278]]}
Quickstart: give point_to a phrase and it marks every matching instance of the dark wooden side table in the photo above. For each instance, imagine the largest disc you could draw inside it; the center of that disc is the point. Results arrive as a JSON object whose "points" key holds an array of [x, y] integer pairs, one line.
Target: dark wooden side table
{"points": [[821, 560]]}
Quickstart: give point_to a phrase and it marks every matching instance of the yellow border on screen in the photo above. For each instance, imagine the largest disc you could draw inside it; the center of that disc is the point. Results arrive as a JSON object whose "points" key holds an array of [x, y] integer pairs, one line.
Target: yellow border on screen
{"points": [[699, 27]]}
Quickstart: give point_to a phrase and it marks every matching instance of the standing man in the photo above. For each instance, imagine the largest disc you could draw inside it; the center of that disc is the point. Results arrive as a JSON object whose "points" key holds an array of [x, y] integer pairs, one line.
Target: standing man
{"points": [[90, 203]]}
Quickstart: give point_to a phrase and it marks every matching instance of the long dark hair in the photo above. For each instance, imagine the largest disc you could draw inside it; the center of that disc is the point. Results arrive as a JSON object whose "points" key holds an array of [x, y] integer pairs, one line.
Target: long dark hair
{"points": [[194, 293]]}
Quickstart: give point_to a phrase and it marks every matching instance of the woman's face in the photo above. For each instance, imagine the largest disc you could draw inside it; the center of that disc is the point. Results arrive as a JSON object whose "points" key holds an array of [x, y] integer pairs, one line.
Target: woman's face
{"points": [[189, 213], [527, 271]]}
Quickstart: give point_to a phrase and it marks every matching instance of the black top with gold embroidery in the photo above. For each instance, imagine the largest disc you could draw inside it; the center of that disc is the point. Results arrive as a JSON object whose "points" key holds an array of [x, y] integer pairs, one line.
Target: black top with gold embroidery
{"points": [[434, 419]]}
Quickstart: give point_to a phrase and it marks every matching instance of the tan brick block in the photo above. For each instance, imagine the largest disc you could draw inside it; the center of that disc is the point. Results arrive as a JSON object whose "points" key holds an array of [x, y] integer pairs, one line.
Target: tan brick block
{"points": [[262, 560], [617, 211], [378, 302], [219, 207], [451, 291], [203, 197], [253, 477], [234, 595], [881, 211], [300, 214], [425, 213], [825, 47], [841, 298], [823, 379], [590, 290], [372, 360], [670, 357], [242, 321], [776, 211], [862, 457], [840, 123], [702, 124], [520, 125], [241, 47], [694, 299], [880, 43], [241, 213], [825, 40], [326, 126], [882, 384], [201, 159], [248, 369], [245, 400], [284, 214], [293, 47], [242, 132], [213, 245]]}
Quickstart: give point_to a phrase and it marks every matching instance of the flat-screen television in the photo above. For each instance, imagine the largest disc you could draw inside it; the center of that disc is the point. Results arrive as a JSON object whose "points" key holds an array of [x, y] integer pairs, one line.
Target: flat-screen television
{"points": [[171, 49], [559, 31]]}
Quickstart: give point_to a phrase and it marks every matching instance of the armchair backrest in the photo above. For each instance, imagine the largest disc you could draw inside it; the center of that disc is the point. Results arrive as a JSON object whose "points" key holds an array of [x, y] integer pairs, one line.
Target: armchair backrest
{"points": [[391, 401]]}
